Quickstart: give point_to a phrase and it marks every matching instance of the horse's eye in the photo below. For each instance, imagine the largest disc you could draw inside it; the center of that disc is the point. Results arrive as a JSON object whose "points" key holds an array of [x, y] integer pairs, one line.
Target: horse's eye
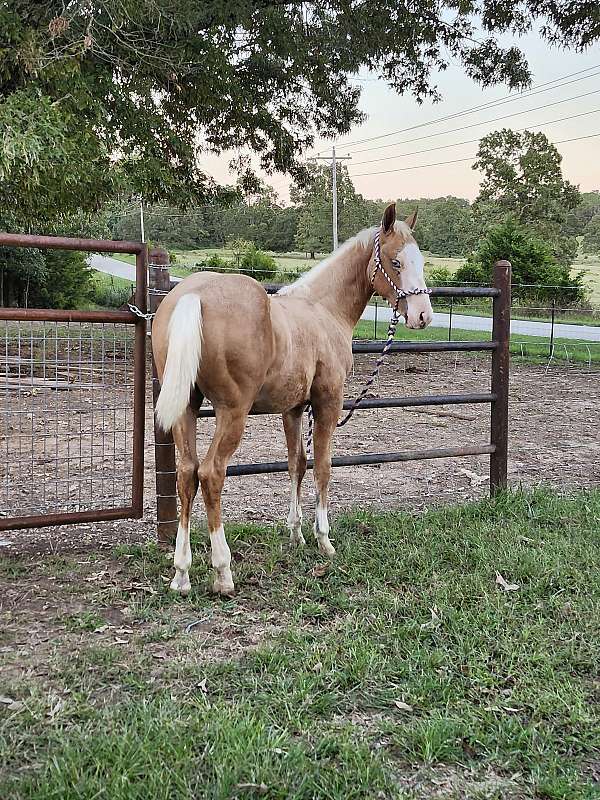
{"points": [[396, 263]]}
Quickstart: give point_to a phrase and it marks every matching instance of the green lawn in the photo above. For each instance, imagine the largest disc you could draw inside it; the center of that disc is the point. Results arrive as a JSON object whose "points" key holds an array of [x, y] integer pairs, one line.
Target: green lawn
{"points": [[532, 348], [402, 671]]}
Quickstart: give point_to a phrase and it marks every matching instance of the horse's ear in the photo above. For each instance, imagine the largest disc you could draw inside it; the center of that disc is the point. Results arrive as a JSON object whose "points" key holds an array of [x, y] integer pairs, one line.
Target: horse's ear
{"points": [[411, 220], [389, 217]]}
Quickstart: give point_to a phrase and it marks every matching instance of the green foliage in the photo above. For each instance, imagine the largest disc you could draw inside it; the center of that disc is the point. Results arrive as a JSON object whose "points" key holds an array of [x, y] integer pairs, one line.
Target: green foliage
{"points": [[445, 225], [314, 201], [109, 291], [522, 177], [258, 264], [577, 219], [532, 260], [591, 236], [441, 276], [216, 263], [50, 278], [68, 284]]}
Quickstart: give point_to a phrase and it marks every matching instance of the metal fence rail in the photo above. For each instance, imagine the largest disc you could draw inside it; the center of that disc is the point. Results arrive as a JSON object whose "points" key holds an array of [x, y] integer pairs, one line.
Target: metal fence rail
{"points": [[72, 405]]}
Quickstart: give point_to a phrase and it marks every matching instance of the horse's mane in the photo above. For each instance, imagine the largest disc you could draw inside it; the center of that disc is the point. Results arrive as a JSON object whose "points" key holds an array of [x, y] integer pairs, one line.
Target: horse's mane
{"points": [[363, 240]]}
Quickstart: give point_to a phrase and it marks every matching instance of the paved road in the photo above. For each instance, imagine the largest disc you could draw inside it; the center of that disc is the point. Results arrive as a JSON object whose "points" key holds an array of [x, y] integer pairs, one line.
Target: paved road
{"points": [[464, 322]]}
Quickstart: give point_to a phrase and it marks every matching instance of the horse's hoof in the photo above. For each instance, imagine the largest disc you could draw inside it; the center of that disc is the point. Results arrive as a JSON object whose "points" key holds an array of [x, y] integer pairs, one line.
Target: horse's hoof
{"points": [[297, 540], [326, 548], [224, 588], [182, 587]]}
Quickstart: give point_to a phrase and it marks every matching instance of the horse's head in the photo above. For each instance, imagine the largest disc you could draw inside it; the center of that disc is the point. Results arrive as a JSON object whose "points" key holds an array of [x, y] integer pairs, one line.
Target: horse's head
{"points": [[396, 269]]}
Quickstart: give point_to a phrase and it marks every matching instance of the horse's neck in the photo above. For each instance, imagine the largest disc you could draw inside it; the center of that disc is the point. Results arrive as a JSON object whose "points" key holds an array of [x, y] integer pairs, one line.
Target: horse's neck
{"points": [[343, 287]]}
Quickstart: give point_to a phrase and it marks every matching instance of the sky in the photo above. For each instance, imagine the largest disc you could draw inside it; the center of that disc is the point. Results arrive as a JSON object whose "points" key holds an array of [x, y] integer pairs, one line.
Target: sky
{"points": [[388, 112]]}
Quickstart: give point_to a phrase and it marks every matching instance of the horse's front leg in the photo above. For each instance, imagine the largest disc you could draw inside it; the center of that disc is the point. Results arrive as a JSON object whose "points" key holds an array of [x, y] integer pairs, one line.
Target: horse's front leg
{"points": [[292, 425], [326, 412]]}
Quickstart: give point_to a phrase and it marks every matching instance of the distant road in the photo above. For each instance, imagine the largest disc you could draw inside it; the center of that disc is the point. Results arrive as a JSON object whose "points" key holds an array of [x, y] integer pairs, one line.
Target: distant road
{"points": [[112, 266], [464, 322]]}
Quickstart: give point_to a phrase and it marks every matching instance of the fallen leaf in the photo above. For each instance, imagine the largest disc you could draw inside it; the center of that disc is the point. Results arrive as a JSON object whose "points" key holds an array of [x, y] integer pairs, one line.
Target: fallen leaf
{"points": [[317, 667], [259, 788], [319, 570], [473, 477], [120, 641], [202, 685], [11, 704], [101, 629], [434, 621], [402, 705], [507, 587]]}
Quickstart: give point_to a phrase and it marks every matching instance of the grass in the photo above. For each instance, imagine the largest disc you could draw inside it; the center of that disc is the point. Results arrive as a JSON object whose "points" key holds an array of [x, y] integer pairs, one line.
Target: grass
{"points": [[403, 672], [532, 348]]}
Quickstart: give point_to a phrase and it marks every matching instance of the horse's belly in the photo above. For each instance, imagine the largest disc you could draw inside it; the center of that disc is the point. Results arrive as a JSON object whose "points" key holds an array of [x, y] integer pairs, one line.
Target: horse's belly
{"points": [[282, 393]]}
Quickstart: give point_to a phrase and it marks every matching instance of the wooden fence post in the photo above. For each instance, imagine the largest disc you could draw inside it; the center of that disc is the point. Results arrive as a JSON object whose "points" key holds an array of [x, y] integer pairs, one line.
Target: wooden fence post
{"points": [[164, 448], [500, 376]]}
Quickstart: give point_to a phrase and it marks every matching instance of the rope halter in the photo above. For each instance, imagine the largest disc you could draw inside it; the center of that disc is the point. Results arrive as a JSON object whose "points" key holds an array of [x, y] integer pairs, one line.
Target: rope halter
{"points": [[400, 293]]}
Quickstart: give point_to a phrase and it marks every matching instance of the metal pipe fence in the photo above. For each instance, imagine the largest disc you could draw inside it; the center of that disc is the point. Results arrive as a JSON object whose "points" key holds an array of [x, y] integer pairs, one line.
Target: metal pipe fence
{"points": [[497, 397], [72, 405]]}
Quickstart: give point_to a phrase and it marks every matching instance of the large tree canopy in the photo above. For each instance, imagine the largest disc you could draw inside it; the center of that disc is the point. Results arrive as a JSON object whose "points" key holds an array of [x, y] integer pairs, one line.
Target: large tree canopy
{"points": [[95, 92]]}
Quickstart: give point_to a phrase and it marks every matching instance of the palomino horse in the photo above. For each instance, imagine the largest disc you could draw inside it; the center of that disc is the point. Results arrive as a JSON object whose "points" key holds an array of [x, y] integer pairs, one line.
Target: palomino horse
{"points": [[224, 338]]}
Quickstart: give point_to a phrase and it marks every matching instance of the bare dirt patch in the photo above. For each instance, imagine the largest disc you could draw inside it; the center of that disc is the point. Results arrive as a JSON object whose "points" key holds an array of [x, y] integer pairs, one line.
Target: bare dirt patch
{"points": [[553, 439]]}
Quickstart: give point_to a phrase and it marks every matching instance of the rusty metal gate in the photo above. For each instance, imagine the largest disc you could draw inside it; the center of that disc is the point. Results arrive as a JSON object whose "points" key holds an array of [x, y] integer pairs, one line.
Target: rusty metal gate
{"points": [[72, 404]]}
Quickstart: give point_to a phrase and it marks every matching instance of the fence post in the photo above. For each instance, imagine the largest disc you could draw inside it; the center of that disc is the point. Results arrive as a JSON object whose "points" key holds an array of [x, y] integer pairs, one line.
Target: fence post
{"points": [[164, 448], [450, 318], [553, 315], [500, 375], [375, 326]]}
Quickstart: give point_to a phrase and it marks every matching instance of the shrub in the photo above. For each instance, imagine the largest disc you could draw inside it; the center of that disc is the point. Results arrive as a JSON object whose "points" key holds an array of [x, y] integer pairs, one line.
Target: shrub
{"points": [[258, 264], [108, 294], [534, 265]]}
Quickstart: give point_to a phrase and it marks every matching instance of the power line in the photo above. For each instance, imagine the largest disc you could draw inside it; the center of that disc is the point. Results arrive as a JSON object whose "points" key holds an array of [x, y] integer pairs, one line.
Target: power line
{"points": [[478, 124], [471, 141], [500, 101], [459, 160]]}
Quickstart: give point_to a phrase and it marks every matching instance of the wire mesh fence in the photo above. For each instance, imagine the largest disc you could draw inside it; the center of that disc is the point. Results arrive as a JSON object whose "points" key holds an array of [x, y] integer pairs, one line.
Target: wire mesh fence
{"points": [[66, 417]]}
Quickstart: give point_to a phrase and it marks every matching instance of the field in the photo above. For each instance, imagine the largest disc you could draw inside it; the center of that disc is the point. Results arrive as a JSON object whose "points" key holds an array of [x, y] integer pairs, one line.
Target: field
{"points": [[402, 670]]}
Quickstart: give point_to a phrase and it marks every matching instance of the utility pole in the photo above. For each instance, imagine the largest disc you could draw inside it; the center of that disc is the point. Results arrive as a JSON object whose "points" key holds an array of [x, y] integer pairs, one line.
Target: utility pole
{"points": [[142, 231], [333, 160]]}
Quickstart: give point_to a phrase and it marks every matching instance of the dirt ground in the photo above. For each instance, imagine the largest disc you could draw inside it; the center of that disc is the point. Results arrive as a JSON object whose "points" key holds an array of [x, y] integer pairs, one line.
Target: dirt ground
{"points": [[553, 439]]}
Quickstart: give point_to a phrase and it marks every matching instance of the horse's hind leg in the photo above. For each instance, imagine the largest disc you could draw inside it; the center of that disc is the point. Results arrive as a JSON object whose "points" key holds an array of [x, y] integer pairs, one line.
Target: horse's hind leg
{"points": [[292, 425], [184, 434], [228, 434]]}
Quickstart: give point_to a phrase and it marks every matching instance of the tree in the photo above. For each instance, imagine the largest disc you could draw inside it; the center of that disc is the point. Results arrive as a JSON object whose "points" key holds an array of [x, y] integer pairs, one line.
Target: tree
{"points": [[532, 260], [314, 200], [591, 236], [522, 177], [577, 219], [131, 92], [445, 224]]}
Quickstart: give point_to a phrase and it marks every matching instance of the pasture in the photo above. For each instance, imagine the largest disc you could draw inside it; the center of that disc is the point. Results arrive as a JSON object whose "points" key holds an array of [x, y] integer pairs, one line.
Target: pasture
{"points": [[451, 654]]}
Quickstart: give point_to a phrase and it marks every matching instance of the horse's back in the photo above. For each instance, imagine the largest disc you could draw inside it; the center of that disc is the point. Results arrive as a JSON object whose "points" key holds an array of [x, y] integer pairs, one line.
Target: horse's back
{"points": [[237, 339]]}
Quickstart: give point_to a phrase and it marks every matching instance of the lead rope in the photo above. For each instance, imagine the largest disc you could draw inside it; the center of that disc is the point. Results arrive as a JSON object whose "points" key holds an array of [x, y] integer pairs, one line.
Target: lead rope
{"points": [[370, 381]]}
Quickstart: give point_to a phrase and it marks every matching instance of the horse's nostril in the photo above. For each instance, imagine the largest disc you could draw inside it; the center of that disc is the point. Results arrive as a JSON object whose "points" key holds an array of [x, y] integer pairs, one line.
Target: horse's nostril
{"points": [[422, 319]]}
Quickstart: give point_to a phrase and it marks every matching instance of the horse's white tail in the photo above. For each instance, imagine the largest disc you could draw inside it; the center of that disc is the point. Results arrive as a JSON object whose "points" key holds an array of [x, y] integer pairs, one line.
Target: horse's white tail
{"points": [[184, 351]]}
